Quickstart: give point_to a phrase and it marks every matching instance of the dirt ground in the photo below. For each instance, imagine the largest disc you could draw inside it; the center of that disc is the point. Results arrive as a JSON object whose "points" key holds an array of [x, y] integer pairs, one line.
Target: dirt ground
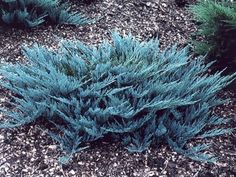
{"points": [[28, 152]]}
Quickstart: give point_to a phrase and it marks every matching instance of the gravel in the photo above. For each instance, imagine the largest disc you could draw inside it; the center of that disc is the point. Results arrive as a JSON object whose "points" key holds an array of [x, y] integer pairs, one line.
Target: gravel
{"points": [[27, 151]]}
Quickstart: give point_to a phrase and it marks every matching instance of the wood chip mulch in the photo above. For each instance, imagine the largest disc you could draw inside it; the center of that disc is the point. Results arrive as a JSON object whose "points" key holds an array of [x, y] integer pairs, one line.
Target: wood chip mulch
{"points": [[29, 152]]}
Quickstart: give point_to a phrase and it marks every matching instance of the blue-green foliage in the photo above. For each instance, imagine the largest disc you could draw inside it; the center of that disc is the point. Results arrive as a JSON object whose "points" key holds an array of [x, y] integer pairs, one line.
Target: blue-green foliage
{"points": [[216, 35], [128, 89], [31, 13]]}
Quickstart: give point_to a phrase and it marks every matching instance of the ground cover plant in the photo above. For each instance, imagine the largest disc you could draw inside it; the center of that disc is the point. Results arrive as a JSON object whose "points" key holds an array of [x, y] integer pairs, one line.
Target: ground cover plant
{"points": [[126, 89], [32, 13], [217, 31]]}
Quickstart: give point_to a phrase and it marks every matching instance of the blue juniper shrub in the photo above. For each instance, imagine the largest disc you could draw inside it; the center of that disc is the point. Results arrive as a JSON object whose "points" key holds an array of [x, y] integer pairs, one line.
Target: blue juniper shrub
{"points": [[32, 13], [126, 88]]}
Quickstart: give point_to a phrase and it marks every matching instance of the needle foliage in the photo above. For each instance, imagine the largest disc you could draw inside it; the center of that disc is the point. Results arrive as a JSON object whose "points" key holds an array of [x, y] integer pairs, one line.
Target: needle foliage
{"points": [[216, 36], [32, 13], [127, 89]]}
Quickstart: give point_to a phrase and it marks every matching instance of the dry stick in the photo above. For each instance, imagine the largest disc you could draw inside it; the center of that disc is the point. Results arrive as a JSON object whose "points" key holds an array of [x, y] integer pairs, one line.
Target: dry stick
{"points": [[166, 164]]}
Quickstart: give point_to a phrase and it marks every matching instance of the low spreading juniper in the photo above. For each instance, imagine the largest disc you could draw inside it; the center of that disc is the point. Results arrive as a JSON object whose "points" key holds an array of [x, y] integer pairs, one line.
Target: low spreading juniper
{"points": [[32, 13], [127, 89]]}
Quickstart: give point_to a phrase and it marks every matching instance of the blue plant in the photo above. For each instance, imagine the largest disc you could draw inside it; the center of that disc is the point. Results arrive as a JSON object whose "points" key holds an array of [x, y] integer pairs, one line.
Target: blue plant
{"points": [[32, 13], [127, 88]]}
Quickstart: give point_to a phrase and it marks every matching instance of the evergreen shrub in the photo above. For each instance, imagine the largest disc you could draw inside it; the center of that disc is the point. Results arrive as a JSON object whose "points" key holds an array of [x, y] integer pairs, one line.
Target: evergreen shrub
{"points": [[31, 13], [128, 90], [216, 35]]}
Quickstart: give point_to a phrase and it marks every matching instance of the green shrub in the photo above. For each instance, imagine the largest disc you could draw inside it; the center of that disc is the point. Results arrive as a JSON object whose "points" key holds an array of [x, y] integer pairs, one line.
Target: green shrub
{"points": [[31, 13], [216, 36], [128, 90]]}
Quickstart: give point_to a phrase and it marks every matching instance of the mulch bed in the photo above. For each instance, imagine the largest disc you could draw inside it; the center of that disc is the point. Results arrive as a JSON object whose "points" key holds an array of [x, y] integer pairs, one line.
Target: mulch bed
{"points": [[28, 151]]}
